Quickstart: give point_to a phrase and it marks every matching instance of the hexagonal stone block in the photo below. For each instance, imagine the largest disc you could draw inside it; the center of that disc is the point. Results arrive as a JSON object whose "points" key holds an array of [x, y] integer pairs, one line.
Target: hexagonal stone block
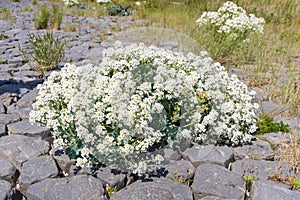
{"points": [[111, 177], [7, 170], [76, 187], [19, 148], [262, 169], [209, 154], [214, 180], [29, 129], [181, 169], [265, 189], [259, 150], [36, 170], [4, 189], [156, 189], [2, 130], [8, 118]]}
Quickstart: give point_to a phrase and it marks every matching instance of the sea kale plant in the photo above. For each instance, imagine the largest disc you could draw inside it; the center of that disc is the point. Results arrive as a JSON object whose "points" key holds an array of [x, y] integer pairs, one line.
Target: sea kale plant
{"points": [[140, 99], [228, 28]]}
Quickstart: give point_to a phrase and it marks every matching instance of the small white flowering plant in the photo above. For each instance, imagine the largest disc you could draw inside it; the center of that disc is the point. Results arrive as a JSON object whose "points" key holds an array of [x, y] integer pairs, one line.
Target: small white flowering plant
{"points": [[71, 3], [103, 1], [141, 99], [228, 28]]}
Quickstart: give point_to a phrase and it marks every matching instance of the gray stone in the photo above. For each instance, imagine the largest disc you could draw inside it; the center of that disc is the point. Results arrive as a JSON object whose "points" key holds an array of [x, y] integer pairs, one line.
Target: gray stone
{"points": [[259, 150], [2, 109], [36, 170], [277, 138], [95, 54], [262, 169], [215, 198], [30, 74], [4, 189], [7, 170], [21, 110], [171, 154], [29, 98], [260, 95], [215, 180], [181, 169], [8, 118], [76, 187], [111, 177], [18, 148], [209, 154], [29, 129], [273, 109], [153, 190], [2, 130], [64, 162], [265, 189]]}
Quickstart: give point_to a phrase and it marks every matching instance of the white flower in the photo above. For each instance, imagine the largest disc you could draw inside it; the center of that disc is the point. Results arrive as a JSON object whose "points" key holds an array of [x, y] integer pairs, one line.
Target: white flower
{"points": [[103, 1], [232, 20], [122, 107], [85, 152]]}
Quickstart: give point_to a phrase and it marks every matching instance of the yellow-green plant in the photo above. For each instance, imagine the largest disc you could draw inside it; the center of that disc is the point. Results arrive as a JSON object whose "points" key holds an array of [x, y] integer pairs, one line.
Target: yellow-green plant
{"points": [[110, 190], [42, 17], [35, 2], [46, 51], [56, 17], [5, 13]]}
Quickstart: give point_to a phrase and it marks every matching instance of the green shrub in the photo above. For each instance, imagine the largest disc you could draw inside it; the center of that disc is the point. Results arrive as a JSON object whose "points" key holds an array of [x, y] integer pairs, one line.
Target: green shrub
{"points": [[46, 51], [266, 124], [119, 10]]}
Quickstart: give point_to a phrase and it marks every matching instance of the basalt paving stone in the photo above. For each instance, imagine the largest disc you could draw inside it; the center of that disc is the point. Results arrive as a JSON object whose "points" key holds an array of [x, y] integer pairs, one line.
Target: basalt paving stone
{"points": [[265, 189], [154, 190], [215, 198], [259, 150], [277, 138], [7, 170], [21, 110], [2, 109], [5, 188], [18, 148], [180, 170], [215, 180], [111, 177], [64, 162], [29, 98], [8, 118], [209, 154], [36, 170], [29, 129], [2, 130], [262, 169], [76, 187]]}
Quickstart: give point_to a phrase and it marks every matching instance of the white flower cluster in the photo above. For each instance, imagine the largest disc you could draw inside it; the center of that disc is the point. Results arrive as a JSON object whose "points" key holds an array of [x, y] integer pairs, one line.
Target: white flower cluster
{"points": [[140, 97], [71, 2], [103, 1], [233, 20]]}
